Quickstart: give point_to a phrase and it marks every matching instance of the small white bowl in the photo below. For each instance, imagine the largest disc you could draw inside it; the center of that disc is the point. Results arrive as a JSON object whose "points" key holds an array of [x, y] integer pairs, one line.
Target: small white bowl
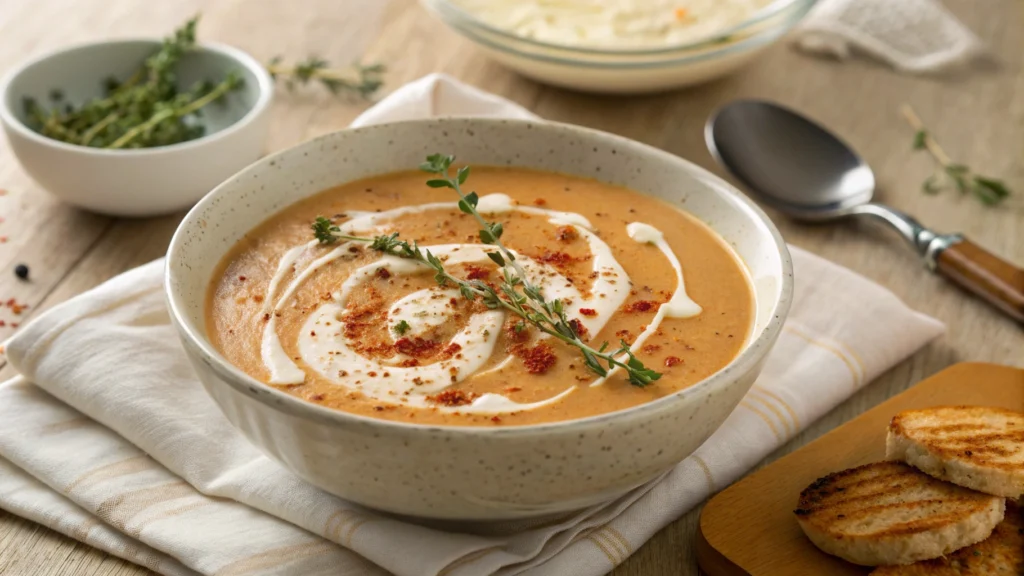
{"points": [[147, 181], [468, 472]]}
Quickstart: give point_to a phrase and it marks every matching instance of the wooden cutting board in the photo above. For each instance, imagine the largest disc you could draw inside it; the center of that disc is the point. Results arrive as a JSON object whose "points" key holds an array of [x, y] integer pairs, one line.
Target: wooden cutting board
{"points": [[749, 530]]}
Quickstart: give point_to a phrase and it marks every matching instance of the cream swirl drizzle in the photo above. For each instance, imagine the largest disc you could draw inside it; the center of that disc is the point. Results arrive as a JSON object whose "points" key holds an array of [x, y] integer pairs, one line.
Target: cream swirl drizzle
{"points": [[678, 306], [323, 347]]}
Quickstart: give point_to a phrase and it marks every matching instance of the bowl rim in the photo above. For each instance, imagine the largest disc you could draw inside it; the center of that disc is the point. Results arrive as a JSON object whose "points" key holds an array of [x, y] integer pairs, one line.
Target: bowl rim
{"points": [[450, 10], [759, 346], [691, 54], [265, 87]]}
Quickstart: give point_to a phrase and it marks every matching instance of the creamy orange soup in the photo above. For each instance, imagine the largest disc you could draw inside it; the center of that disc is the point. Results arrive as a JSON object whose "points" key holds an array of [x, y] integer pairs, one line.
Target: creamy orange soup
{"points": [[346, 327]]}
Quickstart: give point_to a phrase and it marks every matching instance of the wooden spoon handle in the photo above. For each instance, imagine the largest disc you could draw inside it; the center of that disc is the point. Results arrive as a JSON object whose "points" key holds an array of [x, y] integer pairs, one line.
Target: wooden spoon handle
{"points": [[985, 274]]}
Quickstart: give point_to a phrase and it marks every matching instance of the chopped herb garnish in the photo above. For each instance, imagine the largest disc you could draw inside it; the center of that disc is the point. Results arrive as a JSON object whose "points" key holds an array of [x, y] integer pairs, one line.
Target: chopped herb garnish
{"points": [[401, 328]]}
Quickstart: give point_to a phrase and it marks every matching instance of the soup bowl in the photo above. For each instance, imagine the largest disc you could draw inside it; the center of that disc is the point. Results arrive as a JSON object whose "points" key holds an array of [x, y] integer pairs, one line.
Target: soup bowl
{"points": [[464, 472]]}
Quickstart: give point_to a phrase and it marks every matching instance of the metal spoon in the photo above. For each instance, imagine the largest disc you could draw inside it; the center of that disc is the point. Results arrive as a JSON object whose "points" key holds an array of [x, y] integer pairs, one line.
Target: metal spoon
{"points": [[804, 171]]}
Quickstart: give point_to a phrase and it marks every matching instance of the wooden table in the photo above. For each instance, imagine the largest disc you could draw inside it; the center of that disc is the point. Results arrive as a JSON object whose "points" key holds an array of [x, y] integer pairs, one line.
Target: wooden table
{"points": [[978, 116]]}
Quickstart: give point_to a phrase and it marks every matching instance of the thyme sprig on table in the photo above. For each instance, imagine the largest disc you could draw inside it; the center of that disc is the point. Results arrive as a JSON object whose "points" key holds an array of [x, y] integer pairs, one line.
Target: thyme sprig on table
{"points": [[989, 191], [360, 80], [515, 292]]}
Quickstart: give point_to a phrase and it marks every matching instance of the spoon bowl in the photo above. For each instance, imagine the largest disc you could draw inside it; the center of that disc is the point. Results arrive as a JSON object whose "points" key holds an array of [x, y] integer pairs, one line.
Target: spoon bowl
{"points": [[801, 169], [757, 141]]}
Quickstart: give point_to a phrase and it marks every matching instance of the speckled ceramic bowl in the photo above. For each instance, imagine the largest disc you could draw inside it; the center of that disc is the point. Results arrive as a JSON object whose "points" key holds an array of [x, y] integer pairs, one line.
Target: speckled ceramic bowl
{"points": [[467, 473]]}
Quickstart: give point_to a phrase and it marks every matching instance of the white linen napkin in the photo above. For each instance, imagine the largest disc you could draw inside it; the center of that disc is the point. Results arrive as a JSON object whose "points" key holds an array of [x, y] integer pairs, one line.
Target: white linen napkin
{"points": [[917, 36], [109, 438]]}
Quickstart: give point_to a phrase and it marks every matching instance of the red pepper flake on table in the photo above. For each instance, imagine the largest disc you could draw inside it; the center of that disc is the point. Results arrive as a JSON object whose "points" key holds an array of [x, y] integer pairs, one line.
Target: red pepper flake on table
{"points": [[16, 307]]}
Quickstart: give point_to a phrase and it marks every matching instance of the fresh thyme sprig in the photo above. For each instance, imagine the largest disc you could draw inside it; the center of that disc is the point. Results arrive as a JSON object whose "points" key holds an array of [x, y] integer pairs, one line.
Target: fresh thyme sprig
{"points": [[989, 191], [148, 109], [144, 111], [359, 80], [515, 292]]}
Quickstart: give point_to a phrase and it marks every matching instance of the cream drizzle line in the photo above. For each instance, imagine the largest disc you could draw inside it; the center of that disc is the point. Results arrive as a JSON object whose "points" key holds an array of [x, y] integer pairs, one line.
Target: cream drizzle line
{"points": [[323, 354], [284, 371], [679, 305]]}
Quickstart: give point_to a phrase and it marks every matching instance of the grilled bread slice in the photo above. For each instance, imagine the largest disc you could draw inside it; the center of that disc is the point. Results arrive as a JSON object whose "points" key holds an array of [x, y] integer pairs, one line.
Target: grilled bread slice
{"points": [[999, 554], [890, 513], [972, 446]]}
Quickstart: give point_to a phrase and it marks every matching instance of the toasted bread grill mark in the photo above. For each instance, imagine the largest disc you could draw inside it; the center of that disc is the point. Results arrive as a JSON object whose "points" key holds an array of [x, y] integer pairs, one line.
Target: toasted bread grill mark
{"points": [[999, 432], [891, 513], [838, 495], [999, 554], [843, 503], [977, 447], [971, 440]]}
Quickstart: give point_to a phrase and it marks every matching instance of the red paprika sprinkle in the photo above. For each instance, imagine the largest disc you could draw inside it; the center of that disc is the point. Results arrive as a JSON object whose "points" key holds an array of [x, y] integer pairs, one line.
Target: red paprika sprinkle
{"points": [[579, 328], [537, 359], [567, 233], [476, 272], [451, 398], [641, 306]]}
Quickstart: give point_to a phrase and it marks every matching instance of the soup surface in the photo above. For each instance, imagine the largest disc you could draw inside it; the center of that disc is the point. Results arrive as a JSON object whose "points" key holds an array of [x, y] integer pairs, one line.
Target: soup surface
{"points": [[345, 326]]}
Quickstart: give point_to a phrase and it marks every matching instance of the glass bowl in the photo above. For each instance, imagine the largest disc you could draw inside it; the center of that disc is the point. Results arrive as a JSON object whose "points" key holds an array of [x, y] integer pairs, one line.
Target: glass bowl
{"points": [[627, 70]]}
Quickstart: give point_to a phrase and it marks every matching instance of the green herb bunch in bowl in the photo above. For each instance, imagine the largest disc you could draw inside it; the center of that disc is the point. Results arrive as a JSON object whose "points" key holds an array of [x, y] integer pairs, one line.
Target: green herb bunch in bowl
{"points": [[137, 127]]}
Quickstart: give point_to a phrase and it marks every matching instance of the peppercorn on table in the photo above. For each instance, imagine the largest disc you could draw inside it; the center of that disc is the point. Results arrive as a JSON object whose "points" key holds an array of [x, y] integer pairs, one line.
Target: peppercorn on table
{"points": [[978, 115]]}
